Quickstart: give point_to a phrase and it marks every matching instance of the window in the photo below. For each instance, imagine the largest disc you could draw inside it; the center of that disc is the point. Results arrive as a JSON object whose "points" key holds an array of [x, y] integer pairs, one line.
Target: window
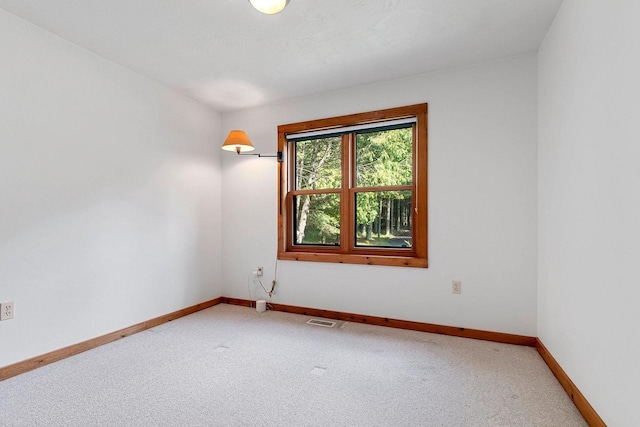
{"points": [[353, 189]]}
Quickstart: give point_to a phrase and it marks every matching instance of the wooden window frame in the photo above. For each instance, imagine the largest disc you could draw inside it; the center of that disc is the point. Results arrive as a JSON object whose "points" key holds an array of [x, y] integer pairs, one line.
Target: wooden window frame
{"points": [[347, 252]]}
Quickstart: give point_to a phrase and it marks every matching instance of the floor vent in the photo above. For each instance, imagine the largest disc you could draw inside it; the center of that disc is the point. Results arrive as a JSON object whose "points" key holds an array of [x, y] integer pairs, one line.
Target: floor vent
{"points": [[325, 323]]}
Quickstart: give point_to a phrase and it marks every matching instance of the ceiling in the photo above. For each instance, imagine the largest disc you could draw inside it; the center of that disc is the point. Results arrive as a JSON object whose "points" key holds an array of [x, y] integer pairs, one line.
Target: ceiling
{"points": [[230, 56]]}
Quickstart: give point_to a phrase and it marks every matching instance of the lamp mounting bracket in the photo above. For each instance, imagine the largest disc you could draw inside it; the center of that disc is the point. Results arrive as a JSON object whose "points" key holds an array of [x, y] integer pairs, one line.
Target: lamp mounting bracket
{"points": [[278, 155]]}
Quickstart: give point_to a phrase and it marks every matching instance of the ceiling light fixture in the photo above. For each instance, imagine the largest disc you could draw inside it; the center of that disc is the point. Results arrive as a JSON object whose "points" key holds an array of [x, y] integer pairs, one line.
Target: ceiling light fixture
{"points": [[269, 7], [238, 141]]}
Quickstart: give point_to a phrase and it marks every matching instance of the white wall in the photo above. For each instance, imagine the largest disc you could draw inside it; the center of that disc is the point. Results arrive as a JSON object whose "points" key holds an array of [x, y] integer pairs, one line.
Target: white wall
{"points": [[109, 195], [589, 314], [482, 203]]}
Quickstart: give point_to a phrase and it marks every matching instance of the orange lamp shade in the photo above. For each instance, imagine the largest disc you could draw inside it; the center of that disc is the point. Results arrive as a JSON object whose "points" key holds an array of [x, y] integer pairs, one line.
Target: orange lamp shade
{"points": [[237, 141]]}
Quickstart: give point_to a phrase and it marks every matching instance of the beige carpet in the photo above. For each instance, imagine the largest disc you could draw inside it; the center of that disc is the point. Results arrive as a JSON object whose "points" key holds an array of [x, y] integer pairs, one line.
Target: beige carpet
{"points": [[230, 366]]}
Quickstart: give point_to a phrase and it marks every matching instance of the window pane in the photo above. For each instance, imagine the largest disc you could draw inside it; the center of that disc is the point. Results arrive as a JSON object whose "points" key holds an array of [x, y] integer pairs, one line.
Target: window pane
{"points": [[384, 219], [317, 219], [384, 158], [318, 163]]}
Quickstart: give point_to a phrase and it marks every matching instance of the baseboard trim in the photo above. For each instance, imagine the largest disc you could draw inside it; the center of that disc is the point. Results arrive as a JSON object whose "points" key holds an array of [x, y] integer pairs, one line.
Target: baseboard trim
{"points": [[585, 408], [395, 323], [56, 355]]}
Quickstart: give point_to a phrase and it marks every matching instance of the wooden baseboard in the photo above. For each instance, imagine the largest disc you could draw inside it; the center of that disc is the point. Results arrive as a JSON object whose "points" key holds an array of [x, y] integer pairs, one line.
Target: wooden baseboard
{"points": [[394, 323], [38, 361], [585, 408], [239, 301]]}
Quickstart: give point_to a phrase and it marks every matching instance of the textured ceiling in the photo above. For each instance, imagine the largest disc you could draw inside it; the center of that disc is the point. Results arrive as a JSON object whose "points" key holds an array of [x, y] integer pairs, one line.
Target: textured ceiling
{"points": [[231, 56]]}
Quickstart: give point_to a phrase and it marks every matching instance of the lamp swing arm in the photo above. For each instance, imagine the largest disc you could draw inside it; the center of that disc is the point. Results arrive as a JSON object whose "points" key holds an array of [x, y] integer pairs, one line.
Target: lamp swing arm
{"points": [[278, 155]]}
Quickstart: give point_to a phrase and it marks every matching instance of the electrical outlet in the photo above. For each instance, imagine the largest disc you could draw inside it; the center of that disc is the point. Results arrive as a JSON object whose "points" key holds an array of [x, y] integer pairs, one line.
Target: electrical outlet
{"points": [[6, 310], [259, 272], [456, 287]]}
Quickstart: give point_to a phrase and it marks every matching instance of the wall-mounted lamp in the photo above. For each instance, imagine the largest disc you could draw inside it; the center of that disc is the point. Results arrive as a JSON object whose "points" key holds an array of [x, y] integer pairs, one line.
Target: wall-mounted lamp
{"points": [[238, 141], [269, 7]]}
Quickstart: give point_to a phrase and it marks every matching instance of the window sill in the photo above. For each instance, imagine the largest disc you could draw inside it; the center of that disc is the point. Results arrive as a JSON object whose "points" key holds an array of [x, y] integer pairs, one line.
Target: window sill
{"points": [[394, 261]]}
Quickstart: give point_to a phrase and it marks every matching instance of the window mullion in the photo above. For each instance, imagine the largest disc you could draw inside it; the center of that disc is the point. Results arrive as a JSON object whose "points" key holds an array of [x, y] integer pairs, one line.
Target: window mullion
{"points": [[346, 224]]}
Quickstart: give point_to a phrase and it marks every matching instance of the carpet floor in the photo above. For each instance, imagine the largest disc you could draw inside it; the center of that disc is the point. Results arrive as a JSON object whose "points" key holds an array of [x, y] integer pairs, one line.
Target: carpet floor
{"points": [[231, 366]]}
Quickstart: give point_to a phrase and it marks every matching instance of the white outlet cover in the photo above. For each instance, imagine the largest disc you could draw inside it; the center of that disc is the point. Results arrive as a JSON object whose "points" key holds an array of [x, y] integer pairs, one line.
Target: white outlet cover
{"points": [[6, 310]]}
